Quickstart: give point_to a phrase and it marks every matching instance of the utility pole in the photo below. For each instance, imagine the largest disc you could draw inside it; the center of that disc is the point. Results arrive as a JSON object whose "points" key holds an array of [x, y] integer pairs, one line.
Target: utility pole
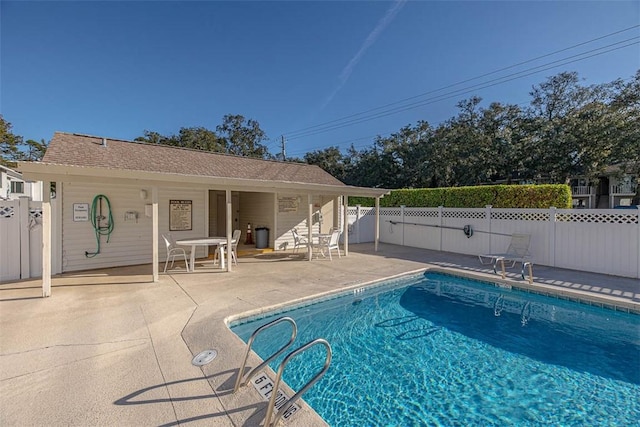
{"points": [[282, 149]]}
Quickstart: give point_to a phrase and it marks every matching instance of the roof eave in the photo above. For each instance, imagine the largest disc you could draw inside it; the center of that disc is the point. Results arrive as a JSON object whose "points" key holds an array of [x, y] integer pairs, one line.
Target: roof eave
{"points": [[54, 172]]}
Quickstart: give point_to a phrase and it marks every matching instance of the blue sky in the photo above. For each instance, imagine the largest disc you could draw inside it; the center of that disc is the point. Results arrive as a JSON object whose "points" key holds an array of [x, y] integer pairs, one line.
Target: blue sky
{"points": [[117, 68]]}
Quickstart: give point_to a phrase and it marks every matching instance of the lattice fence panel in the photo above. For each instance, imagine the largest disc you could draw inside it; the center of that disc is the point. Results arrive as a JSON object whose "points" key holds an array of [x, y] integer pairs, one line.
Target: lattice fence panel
{"points": [[7, 211], [390, 212], [599, 218], [421, 213], [464, 214], [520, 216]]}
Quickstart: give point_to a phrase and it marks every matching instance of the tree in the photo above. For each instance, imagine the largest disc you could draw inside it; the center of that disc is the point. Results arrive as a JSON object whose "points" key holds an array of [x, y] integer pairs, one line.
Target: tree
{"points": [[243, 137], [9, 144], [34, 150], [197, 138], [330, 159]]}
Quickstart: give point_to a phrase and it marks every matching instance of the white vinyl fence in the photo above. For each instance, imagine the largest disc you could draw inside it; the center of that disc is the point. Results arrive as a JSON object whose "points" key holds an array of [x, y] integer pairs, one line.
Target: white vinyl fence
{"points": [[598, 240], [20, 239]]}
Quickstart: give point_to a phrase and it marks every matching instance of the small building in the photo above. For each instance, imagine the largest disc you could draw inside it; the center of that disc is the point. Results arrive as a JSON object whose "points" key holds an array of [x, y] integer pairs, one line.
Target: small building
{"points": [[145, 190], [13, 186], [615, 187]]}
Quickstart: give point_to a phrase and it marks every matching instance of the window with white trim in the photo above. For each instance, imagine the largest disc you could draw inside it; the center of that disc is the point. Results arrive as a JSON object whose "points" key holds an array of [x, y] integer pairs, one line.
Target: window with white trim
{"points": [[17, 187]]}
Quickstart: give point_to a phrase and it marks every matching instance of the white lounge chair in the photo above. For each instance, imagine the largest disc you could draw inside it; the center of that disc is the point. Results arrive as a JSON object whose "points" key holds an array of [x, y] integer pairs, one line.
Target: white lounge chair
{"points": [[173, 251], [517, 251]]}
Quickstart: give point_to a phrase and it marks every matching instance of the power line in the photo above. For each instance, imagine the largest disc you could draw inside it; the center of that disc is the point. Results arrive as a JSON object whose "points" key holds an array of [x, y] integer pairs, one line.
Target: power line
{"points": [[452, 94], [304, 130], [381, 134]]}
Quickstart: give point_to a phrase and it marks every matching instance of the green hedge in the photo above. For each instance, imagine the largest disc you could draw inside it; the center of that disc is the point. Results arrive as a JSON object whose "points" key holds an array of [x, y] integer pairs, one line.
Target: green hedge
{"points": [[498, 196]]}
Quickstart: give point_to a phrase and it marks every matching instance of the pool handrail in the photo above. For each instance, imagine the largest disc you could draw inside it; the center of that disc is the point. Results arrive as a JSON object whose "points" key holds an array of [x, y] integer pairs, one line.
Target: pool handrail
{"points": [[294, 333], [311, 382]]}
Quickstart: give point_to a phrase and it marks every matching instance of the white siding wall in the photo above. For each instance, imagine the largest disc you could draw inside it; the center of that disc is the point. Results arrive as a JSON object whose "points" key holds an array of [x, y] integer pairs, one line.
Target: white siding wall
{"points": [[298, 219], [130, 243]]}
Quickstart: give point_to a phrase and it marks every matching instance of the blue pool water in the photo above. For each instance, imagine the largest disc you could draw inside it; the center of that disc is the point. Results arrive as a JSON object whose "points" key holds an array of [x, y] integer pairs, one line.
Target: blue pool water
{"points": [[441, 350]]}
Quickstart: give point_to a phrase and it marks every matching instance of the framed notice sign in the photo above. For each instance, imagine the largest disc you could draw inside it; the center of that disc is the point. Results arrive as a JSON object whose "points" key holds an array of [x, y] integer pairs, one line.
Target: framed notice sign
{"points": [[287, 204], [81, 211], [180, 215]]}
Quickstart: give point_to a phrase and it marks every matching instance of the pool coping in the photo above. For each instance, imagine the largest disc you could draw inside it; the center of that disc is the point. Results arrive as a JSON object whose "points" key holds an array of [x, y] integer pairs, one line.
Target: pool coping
{"points": [[573, 295]]}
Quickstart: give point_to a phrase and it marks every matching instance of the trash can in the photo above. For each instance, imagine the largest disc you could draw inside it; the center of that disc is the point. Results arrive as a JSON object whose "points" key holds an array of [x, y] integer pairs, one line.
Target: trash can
{"points": [[262, 237]]}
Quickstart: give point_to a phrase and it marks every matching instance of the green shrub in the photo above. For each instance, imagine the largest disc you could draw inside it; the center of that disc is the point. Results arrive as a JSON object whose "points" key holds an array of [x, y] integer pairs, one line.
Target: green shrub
{"points": [[469, 197], [498, 196], [533, 196]]}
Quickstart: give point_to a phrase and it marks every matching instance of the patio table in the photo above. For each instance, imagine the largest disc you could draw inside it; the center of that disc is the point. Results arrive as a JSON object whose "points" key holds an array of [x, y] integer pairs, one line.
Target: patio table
{"points": [[320, 240], [220, 242]]}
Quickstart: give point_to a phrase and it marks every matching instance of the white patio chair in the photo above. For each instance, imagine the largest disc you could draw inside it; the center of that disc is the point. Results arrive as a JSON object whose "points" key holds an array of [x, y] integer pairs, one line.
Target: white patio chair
{"points": [[173, 251], [332, 242], [298, 240], [235, 238]]}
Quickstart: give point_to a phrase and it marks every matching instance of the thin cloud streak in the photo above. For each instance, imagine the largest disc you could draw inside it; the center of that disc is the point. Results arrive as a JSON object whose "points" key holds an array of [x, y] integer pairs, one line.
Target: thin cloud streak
{"points": [[369, 41]]}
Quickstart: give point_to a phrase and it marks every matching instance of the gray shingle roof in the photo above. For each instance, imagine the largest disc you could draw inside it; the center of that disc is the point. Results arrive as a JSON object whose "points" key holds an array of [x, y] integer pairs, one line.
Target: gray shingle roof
{"points": [[69, 149]]}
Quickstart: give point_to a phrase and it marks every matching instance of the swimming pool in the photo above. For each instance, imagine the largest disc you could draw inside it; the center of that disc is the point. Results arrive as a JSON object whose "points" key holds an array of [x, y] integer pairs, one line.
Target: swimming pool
{"points": [[436, 349]]}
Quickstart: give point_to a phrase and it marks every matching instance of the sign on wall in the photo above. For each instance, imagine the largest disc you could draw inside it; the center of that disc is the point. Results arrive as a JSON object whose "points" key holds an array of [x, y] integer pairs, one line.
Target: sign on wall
{"points": [[180, 215], [287, 204], [81, 211]]}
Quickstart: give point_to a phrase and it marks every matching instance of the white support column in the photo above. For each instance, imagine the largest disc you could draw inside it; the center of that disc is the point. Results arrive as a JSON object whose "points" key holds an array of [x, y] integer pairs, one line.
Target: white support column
{"points": [[229, 229], [638, 240], [336, 212], [377, 231], [46, 239], [345, 206], [274, 233], [487, 213], [206, 214], [310, 226], [356, 224], [440, 220], [402, 221], [552, 236], [25, 237], [56, 228], [155, 239]]}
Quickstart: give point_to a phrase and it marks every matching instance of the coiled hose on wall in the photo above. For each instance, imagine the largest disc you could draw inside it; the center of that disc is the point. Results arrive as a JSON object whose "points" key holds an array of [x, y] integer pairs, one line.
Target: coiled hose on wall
{"points": [[97, 221]]}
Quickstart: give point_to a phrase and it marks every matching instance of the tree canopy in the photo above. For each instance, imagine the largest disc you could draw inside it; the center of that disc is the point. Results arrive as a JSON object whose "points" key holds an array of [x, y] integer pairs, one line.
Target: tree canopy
{"points": [[13, 148], [236, 135], [567, 130]]}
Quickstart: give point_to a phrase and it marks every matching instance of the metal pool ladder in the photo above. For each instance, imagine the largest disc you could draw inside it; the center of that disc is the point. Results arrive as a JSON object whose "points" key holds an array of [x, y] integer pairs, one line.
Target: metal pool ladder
{"points": [[283, 364]]}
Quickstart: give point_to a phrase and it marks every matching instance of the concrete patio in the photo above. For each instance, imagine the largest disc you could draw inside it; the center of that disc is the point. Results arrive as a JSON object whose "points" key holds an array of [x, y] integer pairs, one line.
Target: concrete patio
{"points": [[109, 347]]}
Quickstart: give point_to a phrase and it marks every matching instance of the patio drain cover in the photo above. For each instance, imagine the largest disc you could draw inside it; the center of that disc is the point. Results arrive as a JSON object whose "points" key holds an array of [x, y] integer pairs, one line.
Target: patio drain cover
{"points": [[204, 357]]}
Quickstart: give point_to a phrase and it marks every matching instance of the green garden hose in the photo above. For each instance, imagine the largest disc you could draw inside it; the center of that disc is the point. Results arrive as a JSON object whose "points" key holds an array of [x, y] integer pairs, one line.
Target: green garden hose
{"points": [[97, 220]]}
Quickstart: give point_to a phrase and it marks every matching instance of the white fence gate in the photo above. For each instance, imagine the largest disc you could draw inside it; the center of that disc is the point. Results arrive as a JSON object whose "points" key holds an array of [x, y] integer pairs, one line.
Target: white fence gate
{"points": [[598, 240], [20, 239]]}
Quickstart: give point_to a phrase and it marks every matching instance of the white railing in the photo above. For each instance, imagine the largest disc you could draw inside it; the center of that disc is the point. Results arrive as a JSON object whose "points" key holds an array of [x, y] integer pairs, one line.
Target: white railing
{"points": [[582, 190], [598, 240], [627, 189]]}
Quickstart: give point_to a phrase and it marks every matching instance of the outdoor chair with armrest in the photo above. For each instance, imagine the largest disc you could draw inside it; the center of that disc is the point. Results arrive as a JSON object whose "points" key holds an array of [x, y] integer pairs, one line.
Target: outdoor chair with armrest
{"points": [[298, 240], [235, 238], [173, 251], [329, 243]]}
